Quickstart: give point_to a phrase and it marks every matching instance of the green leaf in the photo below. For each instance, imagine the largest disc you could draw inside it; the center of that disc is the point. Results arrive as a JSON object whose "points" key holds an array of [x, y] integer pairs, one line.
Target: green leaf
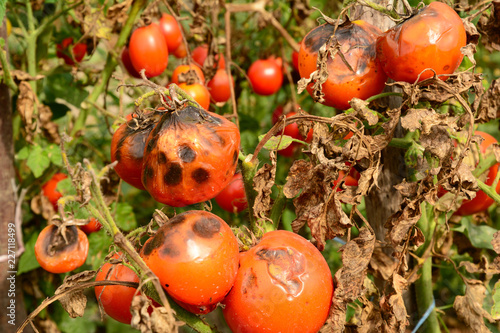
{"points": [[23, 153], [99, 248], [495, 309], [85, 324], [79, 213], [124, 217], [38, 161], [65, 187], [62, 84], [277, 142], [55, 155], [28, 261], [479, 235], [3, 5]]}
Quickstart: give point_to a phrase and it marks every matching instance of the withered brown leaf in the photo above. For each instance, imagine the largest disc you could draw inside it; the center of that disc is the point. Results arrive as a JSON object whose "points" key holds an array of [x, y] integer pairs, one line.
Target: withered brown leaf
{"points": [[400, 223], [75, 302], [469, 307], [393, 307], [263, 183], [489, 27]]}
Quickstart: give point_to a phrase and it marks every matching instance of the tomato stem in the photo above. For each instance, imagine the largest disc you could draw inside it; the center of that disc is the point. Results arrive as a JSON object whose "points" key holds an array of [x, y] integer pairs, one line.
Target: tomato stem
{"points": [[489, 190], [7, 77]]}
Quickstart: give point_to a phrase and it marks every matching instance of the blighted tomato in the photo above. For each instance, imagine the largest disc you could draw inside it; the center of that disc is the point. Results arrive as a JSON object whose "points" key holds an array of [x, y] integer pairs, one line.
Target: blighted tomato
{"points": [[195, 256], [190, 156], [233, 198], [127, 147], [180, 52], [78, 51], [430, 39], [127, 63], [365, 78], [283, 285], [58, 254], [189, 74], [200, 54]]}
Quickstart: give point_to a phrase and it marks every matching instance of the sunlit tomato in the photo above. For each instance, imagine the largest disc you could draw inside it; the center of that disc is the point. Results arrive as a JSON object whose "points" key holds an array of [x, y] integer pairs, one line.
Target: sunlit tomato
{"points": [[233, 198], [171, 30], [219, 88], [195, 256], [148, 50], [283, 285], [189, 74], [291, 130], [92, 226], [127, 147], [200, 53], [357, 40], [180, 52], [128, 64], [430, 39], [116, 300], [79, 50], [265, 76], [57, 255], [199, 93], [49, 189], [190, 156]]}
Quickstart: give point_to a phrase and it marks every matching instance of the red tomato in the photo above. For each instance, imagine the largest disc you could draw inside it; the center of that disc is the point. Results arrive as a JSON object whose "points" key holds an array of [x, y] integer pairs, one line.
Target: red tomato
{"points": [[265, 76], [196, 309], [195, 256], [292, 130], [128, 64], [233, 198], [55, 255], [200, 53], [92, 226], [148, 50], [350, 180], [358, 46], [430, 39], [295, 60], [283, 285], [116, 300], [49, 189], [219, 88], [180, 52], [172, 32], [199, 93], [181, 72], [79, 50]]}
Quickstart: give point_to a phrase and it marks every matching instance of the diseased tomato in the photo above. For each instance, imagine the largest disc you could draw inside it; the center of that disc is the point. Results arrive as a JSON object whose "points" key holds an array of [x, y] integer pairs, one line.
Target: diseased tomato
{"points": [[57, 255], [127, 147], [195, 256], [200, 53], [189, 74], [196, 309], [92, 226], [79, 51], [291, 130], [171, 30], [190, 156], [219, 88], [430, 39], [148, 50], [127, 63], [283, 285], [265, 76], [49, 189], [233, 198], [199, 93], [116, 300], [357, 40]]}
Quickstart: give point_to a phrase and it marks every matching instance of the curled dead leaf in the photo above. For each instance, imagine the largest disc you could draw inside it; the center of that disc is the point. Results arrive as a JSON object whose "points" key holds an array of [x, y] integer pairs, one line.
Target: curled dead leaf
{"points": [[74, 303], [263, 183], [489, 27], [469, 307], [363, 111]]}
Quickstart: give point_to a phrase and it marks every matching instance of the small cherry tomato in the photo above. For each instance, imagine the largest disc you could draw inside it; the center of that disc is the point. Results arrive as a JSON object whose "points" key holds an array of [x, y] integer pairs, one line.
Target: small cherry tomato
{"points": [[171, 30], [283, 285], [189, 74], [430, 39], [59, 255], [233, 198], [357, 40], [79, 50], [199, 93], [49, 189], [265, 76], [195, 256], [92, 226], [200, 53], [127, 63], [148, 50], [291, 130], [219, 88]]}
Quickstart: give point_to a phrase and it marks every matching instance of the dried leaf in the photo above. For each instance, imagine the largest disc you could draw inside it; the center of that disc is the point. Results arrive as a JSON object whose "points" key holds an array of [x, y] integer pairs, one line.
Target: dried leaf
{"points": [[437, 142], [489, 27], [400, 223], [483, 267], [19, 75], [263, 183], [26, 104], [489, 107], [393, 307], [363, 111], [469, 308], [160, 319], [496, 242], [50, 129], [458, 83], [382, 264], [75, 302]]}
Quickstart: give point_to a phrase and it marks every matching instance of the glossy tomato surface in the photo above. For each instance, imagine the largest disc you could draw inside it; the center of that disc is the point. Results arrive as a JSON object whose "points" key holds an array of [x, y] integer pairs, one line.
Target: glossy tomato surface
{"points": [[195, 256], [49, 189], [199, 93], [190, 156], [180, 52], [357, 40], [55, 255], [219, 86], [283, 285], [77, 53], [265, 76], [200, 54], [93, 226], [430, 39], [188, 74], [233, 198], [171, 31], [148, 50], [127, 63]]}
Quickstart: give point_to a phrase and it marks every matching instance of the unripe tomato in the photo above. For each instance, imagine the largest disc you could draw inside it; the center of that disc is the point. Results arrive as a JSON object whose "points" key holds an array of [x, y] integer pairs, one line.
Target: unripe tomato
{"points": [[190, 156], [291, 130], [180, 73], [79, 50], [219, 88], [265, 76], [92, 226], [116, 300], [199, 93], [148, 50], [49, 189], [200, 53], [55, 255], [127, 63], [195, 256], [357, 40], [283, 285], [171, 31], [430, 39], [233, 198]]}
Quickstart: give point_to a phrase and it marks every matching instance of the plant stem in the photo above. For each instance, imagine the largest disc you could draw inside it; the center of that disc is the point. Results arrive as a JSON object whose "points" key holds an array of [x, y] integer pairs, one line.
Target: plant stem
{"points": [[248, 171], [484, 165], [7, 77], [401, 143], [489, 191], [31, 37]]}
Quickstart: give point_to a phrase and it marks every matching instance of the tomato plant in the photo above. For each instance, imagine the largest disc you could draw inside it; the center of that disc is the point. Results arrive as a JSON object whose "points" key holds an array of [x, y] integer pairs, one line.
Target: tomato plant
{"points": [[291, 130], [195, 256], [429, 40], [199, 93], [218, 86], [148, 50], [200, 54], [171, 30], [265, 76], [283, 284], [189, 74], [233, 198], [49, 189], [61, 254], [78, 51]]}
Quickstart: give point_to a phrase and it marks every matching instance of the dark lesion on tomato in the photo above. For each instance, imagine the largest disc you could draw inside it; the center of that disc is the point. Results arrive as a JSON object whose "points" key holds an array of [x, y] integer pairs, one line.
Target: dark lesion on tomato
{"points": [[186, 154], [147, 174], [55, 243], [162, 158], [318, 37], [174, 174], [200, 175], [206, 226], [249, 281]]}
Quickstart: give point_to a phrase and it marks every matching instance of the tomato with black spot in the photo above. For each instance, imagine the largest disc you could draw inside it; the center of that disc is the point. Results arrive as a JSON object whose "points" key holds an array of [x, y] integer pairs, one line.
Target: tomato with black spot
{"points": [[190, 156], [195, 256]]}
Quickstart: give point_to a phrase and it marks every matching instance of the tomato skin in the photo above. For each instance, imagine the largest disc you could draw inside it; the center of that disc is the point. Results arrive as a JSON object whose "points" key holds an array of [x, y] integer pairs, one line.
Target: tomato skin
{"points": [[180, 52], [351, 179], [49, 189], [63, 257], [295, 60], [127, 63], [291, 130], [93, 226], [199, 93], [200, 53], [171, 31], [79, 51], [233, 197], [430, 39], [183, 69], [265, 76], [148, 50], [358, 45], [195, 256], [283, 285], [219, 88], [190, 156]]}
